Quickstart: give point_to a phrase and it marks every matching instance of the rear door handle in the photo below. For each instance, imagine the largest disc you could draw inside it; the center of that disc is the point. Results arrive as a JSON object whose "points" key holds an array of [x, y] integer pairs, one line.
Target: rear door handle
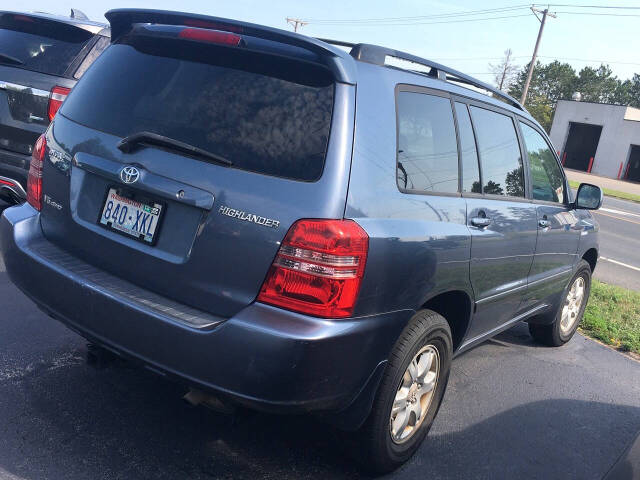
{"points": [[480, 222]]}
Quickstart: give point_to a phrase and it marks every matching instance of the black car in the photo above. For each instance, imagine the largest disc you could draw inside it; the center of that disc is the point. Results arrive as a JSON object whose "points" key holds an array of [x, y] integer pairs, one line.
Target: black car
{"points": [[41, 58]]}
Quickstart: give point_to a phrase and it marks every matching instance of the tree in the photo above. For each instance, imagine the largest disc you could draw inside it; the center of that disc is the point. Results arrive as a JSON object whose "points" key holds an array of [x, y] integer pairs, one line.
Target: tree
{"points": [[596, 84], [505, 71], [542, 110], [627, 92], [554, 81], [558, 81]]}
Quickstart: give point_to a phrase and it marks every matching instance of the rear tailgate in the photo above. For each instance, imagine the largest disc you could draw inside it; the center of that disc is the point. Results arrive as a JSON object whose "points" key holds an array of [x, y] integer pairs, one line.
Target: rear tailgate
{"points": [[283, 121], [35, 54]]}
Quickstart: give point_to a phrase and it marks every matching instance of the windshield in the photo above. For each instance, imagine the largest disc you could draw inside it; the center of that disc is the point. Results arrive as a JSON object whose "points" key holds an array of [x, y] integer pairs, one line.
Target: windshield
{"points": [[41, 46], [264, 113]]}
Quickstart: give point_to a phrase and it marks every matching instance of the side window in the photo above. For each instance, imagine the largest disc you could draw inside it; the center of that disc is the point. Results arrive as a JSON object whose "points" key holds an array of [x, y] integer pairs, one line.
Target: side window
{"points": [[546, 177], [502, 171], [468, 153], [96, 50], [427, 147]]}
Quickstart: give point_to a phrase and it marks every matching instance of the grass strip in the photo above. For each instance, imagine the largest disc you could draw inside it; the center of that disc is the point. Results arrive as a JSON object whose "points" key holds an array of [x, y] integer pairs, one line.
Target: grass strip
{"points": [[611, 193], [613, 316]]}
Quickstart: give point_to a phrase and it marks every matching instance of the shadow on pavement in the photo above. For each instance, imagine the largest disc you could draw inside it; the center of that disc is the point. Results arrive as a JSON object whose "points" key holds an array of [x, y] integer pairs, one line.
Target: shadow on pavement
{"points": [[67, 420]]}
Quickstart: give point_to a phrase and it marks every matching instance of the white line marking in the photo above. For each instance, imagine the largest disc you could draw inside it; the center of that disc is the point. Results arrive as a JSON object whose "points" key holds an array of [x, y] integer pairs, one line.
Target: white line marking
{"points": [[619, 212], [620, 263]]}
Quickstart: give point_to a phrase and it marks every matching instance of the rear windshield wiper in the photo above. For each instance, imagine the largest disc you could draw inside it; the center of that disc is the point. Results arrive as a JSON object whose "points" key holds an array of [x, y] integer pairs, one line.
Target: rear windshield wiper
{"points": [[140, 139], [4, 58]]}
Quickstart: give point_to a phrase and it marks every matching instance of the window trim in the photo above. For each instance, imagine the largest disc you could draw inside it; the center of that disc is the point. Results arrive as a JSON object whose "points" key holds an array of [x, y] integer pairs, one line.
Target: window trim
{"points": [[454, 100], [79, 58], [403, 87], [73, 69], [526, 197], [567, 190]]}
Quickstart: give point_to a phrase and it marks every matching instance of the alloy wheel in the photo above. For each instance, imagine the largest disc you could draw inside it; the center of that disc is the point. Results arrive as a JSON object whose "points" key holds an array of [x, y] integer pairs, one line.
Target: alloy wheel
{"points": [[414, 394]]}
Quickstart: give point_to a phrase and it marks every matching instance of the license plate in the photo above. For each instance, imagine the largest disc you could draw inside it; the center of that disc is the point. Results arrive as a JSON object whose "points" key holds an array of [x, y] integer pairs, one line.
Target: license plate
{"points": [[131, 217]]}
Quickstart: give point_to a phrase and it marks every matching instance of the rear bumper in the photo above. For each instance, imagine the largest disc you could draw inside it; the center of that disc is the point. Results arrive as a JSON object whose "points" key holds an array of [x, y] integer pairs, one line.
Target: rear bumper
{"points": [[15, 166], [264, 357]]}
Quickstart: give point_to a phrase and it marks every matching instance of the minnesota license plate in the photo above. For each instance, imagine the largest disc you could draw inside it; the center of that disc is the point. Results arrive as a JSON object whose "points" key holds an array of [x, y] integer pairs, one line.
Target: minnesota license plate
{"points": [[131, 217]]}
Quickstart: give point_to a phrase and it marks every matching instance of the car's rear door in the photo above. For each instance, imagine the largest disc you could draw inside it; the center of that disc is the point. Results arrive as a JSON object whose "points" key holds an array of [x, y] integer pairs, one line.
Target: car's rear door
{"points": [[266, 107], [501, 219], [558, 234]]}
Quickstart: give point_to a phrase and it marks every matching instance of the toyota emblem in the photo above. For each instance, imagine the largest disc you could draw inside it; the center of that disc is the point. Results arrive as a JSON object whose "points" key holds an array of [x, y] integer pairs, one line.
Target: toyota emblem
{"points": [[129, 174]]}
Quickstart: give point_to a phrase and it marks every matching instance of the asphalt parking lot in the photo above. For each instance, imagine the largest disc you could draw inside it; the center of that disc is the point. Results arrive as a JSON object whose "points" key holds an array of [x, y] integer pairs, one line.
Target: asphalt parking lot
{"points": [[513, 409]]}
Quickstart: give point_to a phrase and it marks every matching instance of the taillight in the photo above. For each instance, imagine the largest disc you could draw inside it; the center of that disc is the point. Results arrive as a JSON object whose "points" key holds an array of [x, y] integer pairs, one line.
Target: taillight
{"points": [[211, 36], [56, 97], [318, 268], [34, 179]]}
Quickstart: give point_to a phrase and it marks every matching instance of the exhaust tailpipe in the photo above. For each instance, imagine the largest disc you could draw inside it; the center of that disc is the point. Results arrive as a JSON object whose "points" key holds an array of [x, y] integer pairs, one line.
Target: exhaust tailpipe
{"points": [[196, 398]]}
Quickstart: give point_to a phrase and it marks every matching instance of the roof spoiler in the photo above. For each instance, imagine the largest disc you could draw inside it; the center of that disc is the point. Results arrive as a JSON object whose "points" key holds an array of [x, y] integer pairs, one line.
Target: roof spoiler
{"points": [[339, 62]]}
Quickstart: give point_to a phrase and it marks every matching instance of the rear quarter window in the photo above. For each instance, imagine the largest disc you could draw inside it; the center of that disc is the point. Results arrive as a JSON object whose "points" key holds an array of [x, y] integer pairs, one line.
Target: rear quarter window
{"points": [[427, 157], [266, 114]]}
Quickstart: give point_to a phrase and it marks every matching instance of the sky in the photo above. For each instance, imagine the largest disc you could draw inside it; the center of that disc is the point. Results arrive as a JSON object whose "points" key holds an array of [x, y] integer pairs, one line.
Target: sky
{"points": [[467, 46]]}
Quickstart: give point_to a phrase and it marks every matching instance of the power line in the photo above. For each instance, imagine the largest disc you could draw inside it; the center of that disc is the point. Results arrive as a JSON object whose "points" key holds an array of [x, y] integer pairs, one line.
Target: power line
{"points": [[455, 17], [539, 56], [419, 17], [600, 14], [587, 60], [618, 7], [420, 23]]}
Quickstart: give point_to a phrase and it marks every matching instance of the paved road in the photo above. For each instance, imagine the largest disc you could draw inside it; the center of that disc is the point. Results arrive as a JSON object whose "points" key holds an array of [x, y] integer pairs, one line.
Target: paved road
{"points": [[619, 243], [604, 182], [512, 410]]}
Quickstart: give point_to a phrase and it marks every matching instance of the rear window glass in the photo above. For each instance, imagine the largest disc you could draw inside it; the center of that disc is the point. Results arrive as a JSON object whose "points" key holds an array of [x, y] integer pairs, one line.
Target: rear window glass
{"points": [[41, 46], [266, 114]]}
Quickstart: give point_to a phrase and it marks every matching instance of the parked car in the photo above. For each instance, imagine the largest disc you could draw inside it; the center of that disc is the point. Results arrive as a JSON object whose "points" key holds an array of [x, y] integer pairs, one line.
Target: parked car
{"points": [[219, 202], [41, 58]]}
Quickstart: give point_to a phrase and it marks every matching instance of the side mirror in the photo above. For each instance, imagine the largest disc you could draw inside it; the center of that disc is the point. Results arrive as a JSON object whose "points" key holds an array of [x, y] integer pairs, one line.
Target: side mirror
{"points": [[589, 197]]}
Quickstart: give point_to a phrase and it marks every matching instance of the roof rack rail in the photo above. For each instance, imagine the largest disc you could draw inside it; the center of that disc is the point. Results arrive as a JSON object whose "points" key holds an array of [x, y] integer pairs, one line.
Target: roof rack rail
{"points": [[337, 42], [377, 55]]}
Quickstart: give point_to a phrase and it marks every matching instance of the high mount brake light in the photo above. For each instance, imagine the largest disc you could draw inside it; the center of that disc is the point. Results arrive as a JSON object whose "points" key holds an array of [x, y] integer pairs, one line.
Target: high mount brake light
{"points": [[56, 97], [210, 36], [195, 22], [34, 179], [318, 269]]}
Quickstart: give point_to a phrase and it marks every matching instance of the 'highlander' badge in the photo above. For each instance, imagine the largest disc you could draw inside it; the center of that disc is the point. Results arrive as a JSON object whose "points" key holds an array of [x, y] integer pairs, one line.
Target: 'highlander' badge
{"points": [[249, 217]]}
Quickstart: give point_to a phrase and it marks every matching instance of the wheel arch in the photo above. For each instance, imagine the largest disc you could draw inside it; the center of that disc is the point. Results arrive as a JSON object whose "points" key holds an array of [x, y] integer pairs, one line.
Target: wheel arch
{"points": [[456, 307], [591, 257]]}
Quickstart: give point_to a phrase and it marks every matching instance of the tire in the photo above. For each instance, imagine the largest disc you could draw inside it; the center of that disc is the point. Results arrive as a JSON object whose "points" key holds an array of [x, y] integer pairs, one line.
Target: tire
{"points": [[556, 334], [375, 447]]}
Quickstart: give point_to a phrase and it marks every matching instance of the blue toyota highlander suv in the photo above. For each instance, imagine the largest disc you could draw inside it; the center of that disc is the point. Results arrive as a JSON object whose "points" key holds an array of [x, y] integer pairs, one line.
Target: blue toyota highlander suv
{"points": [[288, 226]]}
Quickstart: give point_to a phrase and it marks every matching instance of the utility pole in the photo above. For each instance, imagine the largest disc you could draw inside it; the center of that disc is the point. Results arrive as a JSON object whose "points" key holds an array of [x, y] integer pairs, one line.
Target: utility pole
{"points": [[544, 13], [295, 23]]}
